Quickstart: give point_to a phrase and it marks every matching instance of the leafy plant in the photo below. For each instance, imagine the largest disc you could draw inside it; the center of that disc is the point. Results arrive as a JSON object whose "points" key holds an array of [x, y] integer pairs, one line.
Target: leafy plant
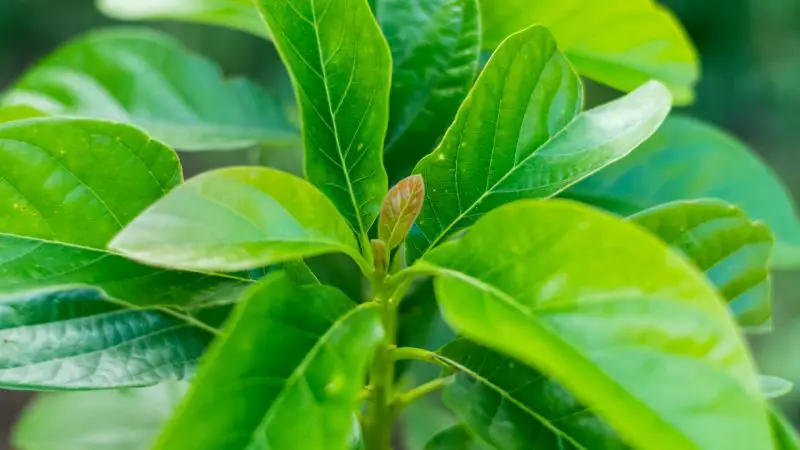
{"points": [[464, 194]]}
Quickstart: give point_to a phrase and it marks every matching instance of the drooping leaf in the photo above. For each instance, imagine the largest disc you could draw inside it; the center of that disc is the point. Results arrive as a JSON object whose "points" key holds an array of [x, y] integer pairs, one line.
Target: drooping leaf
{"points": [[623, 43], [147, 79], [123, 420], [606, 309], [400, 209], [18, 112], [456, 437], [435, 48], [534, 143], [687, 159], [732, 250], [774, 387], [292, 356], [514, 407], [341, 67], [237, 14], [784, 434], [237, 218]]}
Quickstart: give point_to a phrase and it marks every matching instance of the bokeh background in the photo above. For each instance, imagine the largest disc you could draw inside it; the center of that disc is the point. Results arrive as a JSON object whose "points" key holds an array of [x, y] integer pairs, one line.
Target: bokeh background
{"points": [[750, 51]]}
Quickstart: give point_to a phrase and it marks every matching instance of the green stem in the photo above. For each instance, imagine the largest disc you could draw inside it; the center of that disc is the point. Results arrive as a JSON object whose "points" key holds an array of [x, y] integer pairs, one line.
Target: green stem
{"points": [[379, 420], [405, 399], [418, 354]]}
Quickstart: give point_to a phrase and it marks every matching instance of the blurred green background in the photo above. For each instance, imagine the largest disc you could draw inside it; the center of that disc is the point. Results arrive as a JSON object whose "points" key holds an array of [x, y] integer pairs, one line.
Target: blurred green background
{"points": [[750, 50]]}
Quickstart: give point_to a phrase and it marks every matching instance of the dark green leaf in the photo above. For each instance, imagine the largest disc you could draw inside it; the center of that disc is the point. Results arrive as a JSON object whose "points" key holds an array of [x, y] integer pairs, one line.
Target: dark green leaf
{"points": [[148, 79], [291, 357], [687, 159], [609, 311], [774, 387], [341, 68], [237, 14], [784, 434], [400, 209], [237, 218], [623, 43], [533, 144], [101, 420], [732, 250], [435, 47], [454, 438], [514, 407]]}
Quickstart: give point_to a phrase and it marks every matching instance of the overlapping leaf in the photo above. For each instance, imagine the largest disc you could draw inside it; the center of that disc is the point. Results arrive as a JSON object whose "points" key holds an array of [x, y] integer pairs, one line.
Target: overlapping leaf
{"points": [[454, 438], [623, 43], [341, 68], [314, 346], [145, 78], [18, 112], [625, 324], [435, 48], [534, 143], [732, 250], [687, 159]]}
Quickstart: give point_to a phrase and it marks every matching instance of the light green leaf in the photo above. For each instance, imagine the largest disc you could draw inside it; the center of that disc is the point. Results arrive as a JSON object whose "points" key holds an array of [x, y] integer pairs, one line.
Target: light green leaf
{"points": [[774, 387], [623, 43], [234, 219], [456, 437], [341, 69], [147, 79], [687, 159], [732, 250], [291, 356], [534, 143], [18, 112], [606, 309], [237, 14], [101, 420], [783, 432], [514, 407], [435, 48]]}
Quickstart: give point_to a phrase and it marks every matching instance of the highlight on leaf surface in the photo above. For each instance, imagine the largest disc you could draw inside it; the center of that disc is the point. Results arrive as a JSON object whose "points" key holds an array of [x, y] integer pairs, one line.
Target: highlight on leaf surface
{"points": [[400, 209]]}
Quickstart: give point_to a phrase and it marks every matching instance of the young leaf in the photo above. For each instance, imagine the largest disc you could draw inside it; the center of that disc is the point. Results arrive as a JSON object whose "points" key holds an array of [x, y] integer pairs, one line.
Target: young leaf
{"points": [[456, 437], [622, 43], [774, 387], [400, 209], [732, 250], [291, 356], [18, 112], [122, 420], [147, 79], [341, 69], [237, 218], [514, 407], [665, 169], [535, 143], [236, 14], [626, 325], [435, 48]]}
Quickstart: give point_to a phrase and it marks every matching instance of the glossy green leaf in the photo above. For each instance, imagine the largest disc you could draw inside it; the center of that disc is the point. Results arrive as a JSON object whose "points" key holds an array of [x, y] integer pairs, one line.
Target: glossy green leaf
{"points": [[732, 250], [400, 209], [237, 14], [435, 48], [774, 387], [609, 311], [341, 68], [101, 420], [147, 79], [454, 438], [784, 434], [623, 43], [18, 112], [687, 159], [291, 356], [535, 142], [234, 219], [514, 407]]}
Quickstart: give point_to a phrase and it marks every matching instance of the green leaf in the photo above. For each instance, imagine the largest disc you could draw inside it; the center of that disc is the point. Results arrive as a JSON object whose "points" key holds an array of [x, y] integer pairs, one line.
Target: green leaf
{"points": [[291, 356], [687, 159], [122, 420], [520, 135], [732, 250], [237, 14], [400, 209], [622, 43], [783, 432], [148, 79], [774, 387], [456, 437], [435, 48], [234, 219], [341, 68], [514, 407], [18, 112], [609, 311]]}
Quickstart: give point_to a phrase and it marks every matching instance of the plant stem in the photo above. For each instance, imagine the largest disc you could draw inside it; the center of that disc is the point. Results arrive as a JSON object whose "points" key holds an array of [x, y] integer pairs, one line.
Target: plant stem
{"points": [[380, 418], [403, 400], [418, 354]]}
